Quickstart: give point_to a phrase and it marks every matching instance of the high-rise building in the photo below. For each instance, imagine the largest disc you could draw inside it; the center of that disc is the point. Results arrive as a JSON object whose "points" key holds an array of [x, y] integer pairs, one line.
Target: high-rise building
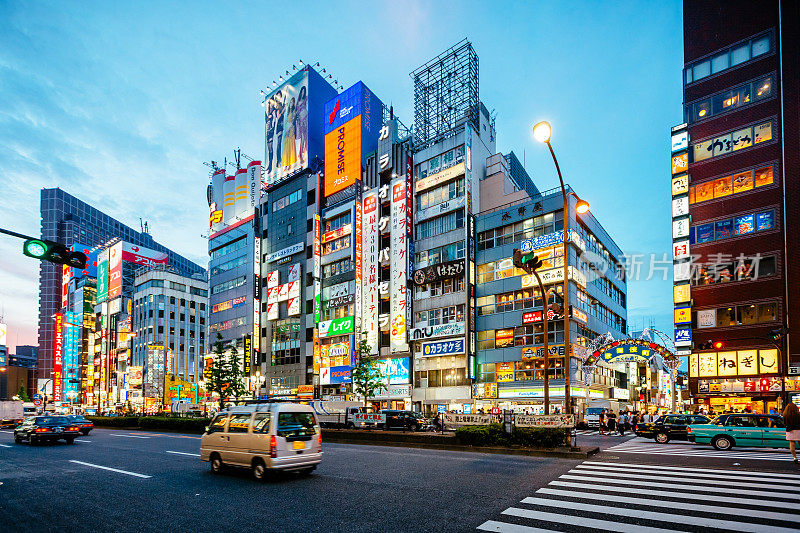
{"points": [[68, 220], [735, 193], [169, 322]]}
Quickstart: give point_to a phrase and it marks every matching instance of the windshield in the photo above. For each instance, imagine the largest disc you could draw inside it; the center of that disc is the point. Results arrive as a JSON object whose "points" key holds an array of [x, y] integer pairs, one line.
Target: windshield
{"points": [[594, 410], [296, 424], [52, 420]]}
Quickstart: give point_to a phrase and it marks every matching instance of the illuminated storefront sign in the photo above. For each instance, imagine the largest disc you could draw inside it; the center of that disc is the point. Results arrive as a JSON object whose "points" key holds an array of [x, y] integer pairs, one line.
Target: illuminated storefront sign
{"points": [[394, 371], [337, 233], [58, 356], [554, 275], [337, 326], [369, 266], [289, 250], [733, 363], [439, 271], [442, 330], [440, 177], [400, 207], [228, 304], [504, 372], [437, 348], [287, 128]]}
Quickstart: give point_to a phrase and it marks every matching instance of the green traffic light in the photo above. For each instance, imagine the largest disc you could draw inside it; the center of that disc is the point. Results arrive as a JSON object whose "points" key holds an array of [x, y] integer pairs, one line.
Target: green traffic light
{"points": [[35, 248]]}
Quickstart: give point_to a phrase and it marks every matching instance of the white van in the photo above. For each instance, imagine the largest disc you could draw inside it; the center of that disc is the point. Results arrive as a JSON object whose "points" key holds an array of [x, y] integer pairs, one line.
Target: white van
{"points": [[264, 436]]}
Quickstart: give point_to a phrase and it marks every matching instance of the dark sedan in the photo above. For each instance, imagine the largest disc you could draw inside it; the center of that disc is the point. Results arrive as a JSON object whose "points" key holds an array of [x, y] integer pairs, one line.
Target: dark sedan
{"points": [[84, 425], [407, 420], [669, 427], [38, 429]]}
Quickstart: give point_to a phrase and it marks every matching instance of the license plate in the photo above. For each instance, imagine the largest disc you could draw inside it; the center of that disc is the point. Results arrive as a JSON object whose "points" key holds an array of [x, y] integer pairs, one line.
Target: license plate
{"points": [[299, 445]]}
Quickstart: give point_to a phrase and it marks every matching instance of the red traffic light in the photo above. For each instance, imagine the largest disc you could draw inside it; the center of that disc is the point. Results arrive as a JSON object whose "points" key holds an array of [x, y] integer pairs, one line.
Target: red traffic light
{"points": [[719, 345]]}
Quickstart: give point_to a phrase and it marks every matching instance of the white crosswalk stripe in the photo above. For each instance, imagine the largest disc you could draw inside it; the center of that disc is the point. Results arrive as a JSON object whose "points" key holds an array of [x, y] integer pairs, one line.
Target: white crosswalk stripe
{"points": [[648, 498], [649, 447]]}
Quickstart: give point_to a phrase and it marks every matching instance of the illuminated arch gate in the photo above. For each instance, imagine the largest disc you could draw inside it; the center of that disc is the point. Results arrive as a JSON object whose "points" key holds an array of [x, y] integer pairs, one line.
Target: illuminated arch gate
{"points": [[641, 350]]}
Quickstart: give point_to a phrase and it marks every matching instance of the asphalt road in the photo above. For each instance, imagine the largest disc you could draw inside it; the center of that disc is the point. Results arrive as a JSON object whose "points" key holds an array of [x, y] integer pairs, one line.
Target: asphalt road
{"points": [[138, 481]]}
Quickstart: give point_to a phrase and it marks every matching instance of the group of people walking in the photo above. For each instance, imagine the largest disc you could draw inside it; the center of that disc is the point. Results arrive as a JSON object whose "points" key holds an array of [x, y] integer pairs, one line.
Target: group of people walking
{"points": [[611, 424]]}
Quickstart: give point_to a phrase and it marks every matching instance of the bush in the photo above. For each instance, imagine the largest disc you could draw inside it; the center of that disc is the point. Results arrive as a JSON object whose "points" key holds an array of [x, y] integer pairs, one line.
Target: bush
{"points": [[493, 435], [181, 424], [114, 421]]}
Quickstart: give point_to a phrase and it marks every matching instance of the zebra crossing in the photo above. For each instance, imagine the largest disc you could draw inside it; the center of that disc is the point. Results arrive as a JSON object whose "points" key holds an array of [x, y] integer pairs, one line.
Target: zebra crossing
{"points": [[687, 449], [632, 498]]}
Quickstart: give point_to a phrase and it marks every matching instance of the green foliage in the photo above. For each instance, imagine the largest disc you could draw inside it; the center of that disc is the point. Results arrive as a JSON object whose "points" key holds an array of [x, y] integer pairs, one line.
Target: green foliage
{"points": [[493, 435], [367, 378], [23, 394], [115, 421], [226, 376], [183, 424]]}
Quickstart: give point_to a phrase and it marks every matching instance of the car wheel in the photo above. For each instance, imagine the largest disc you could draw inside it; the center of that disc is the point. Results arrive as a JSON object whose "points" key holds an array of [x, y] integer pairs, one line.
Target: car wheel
{"points": [[722, 443], [216, 464], [70, 440], [17, 439], [662, 437], [33, 441], [259, 470]]}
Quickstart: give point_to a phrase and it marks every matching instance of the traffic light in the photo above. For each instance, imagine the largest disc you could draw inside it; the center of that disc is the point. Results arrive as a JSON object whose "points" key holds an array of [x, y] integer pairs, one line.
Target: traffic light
{"points": [[54, 253], [557, 305], [718, 345], [711, 345], [527, 262]]}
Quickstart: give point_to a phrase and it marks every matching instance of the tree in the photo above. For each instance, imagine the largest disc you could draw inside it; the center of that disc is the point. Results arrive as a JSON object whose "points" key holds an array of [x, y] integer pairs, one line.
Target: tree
{"points": [[367, 377], [23, 394], [225, 376]]}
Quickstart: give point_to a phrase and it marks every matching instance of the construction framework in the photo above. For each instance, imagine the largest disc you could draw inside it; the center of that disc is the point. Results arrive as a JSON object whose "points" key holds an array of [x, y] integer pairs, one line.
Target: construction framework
{"points": [[446, 95]]}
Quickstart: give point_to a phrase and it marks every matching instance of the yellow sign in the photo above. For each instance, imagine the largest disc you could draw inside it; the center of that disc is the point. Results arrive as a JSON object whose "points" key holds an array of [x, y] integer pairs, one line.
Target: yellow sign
{"points": [[681, 293], [504, 372], [733, 363], [683, 315], [215, 218], [174, 385], [680, 163], [680, 185]]}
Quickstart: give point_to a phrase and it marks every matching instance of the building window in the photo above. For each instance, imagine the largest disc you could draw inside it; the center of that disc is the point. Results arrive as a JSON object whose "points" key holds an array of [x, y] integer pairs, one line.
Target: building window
{"points": [[729, 100], [438, 195], [338, 222], [336, 245], [441, 224], [287, 200], [227, 285], [747, 269], [443, 315], [728, 185], [441, 254], [729, 57], [228, 248]]}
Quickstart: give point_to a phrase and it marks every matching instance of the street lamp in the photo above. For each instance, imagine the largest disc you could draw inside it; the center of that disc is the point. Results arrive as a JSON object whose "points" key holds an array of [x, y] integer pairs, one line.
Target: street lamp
{"points": [[542, 132]]}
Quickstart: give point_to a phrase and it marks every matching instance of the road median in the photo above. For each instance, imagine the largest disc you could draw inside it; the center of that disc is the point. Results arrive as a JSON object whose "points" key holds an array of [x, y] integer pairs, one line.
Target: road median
{"points": [[449, 442]]}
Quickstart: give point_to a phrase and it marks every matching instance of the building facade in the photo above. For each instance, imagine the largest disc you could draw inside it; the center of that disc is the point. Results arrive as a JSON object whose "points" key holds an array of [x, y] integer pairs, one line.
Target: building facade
{"points": [[69, 221], [169, 321], [734, 164]]}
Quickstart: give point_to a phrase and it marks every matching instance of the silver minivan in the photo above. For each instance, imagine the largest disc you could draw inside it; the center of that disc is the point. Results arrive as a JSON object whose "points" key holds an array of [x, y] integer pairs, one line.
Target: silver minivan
{"points": [[262, 437]]}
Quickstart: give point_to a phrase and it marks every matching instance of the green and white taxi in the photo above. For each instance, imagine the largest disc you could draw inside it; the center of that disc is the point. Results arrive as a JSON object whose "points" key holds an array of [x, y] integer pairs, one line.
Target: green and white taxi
{"points": [[741, 429]]}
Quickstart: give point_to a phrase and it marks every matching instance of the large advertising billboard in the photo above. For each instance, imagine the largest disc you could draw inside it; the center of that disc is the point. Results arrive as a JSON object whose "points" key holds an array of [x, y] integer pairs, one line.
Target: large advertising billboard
{"points": [[58, 355], [102, 276], [286, 117], [352, 123], [399, 267], [115, 271], [143, 256], [369, 265]]}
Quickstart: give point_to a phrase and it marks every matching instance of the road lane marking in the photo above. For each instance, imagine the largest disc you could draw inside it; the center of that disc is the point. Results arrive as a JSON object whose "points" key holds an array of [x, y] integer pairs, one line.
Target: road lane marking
{"points": [[717, 509], [605, 525], [81, 440], [110, 469], [662, 517], [693, 478], [184, 453], [502, 527], [696, 488], [676, 495], [5, 446], [684, 469], [129, 436], [740, 476]]}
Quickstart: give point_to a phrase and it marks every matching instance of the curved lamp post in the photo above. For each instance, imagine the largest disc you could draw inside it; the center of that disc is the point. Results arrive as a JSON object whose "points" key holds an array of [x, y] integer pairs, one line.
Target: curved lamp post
{"points": [[542, 132]]}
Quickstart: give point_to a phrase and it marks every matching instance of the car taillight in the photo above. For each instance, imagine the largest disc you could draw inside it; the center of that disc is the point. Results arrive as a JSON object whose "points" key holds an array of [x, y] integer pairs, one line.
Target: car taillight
{"points": [[273, 446], [41, 430], [320, 441], [688, 429], [72, 429]]}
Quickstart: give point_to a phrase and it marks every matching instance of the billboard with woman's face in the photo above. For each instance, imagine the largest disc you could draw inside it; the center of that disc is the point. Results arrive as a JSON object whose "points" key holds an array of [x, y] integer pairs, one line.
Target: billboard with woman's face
{"points": [[286, 119]]}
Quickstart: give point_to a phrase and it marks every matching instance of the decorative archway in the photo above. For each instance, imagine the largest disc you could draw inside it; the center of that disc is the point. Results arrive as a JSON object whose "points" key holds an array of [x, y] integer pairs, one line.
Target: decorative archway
{"points": [[651, 344]]}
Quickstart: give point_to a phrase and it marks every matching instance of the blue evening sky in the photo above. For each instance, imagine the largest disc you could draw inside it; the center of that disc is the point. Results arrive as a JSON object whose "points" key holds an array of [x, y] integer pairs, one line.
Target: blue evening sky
{"points": [[119, 103]]}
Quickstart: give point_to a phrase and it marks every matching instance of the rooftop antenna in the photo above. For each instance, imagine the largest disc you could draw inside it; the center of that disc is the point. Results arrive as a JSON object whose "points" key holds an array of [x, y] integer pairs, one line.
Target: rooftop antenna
{"points": [[141, 225]]}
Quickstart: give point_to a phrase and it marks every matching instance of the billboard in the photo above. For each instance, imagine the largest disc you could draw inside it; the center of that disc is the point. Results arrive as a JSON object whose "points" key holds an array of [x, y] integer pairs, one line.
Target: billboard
{"points": [[143, 256], [102, 276], [394, 371], [352, 123], [286, 121], [58, 355], [91, 261], [399, 266], [115, 271], [369, 265]]}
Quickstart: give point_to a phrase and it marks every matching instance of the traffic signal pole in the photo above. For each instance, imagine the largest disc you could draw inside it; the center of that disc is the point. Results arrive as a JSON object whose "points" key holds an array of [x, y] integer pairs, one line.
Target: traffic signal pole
{"points": [[546, 350]]}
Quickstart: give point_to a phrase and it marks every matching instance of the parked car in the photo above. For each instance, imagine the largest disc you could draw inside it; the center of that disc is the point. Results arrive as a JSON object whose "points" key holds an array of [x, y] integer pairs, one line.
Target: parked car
{"points": [[262, 437], [408, 420], [38, 429], [741, 429], [669, 427], [85, 425]]}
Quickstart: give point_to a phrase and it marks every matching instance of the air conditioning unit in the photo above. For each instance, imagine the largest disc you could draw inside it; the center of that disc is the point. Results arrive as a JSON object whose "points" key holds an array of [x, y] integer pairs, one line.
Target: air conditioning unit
{"points": [[423, 383]]}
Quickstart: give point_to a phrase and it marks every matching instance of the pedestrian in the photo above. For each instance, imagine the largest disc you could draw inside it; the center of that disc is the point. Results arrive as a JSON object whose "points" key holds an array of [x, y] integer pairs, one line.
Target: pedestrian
{"points": [[623, 421], [603, 422], [791, 418], [612, 419]]}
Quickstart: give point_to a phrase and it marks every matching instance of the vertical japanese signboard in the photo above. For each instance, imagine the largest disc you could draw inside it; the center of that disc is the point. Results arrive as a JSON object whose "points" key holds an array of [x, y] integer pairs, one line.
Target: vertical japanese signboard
{"points": [[681, 245], [317, 268], [369, 266], [409, 228], [102, 276], [257, 280], [115, 271], [358, 251], [58, 356], [399, 267]]}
